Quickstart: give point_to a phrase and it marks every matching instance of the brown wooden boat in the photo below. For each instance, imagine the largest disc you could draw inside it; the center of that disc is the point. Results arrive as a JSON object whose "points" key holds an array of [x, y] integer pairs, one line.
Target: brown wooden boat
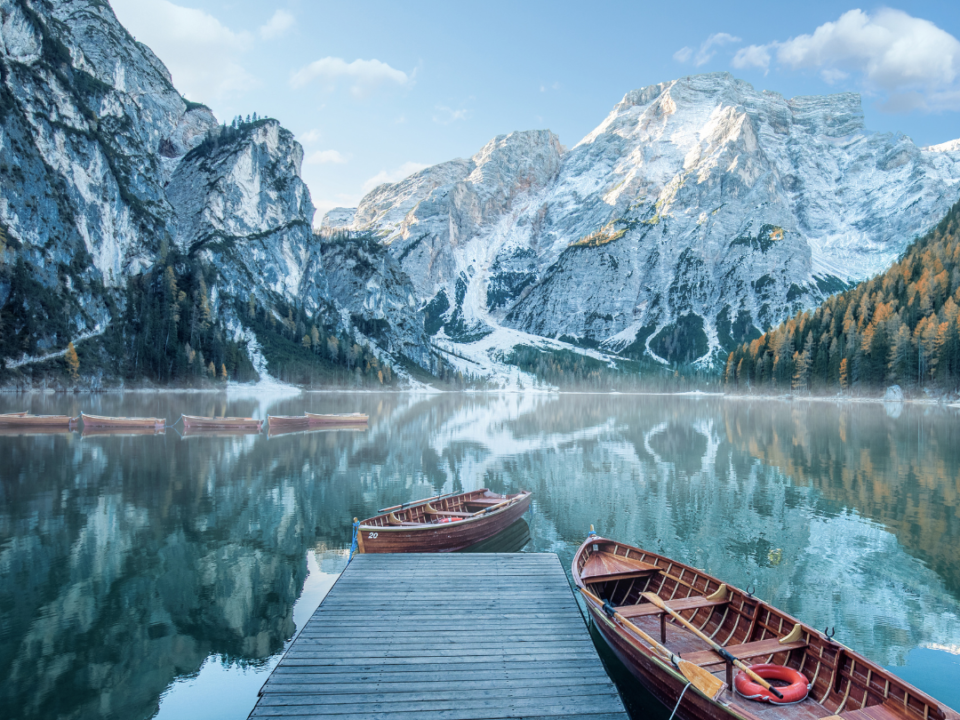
{"points": [[14, 414], [89, 431], [276, 422], [128, 423], [441, 524], [843, 684], [194, 422], [345, 419], [25, 420]]}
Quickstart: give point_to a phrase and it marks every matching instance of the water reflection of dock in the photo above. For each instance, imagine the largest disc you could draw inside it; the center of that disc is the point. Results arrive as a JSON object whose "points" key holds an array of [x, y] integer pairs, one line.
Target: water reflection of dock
{"points": [[445, 635]]}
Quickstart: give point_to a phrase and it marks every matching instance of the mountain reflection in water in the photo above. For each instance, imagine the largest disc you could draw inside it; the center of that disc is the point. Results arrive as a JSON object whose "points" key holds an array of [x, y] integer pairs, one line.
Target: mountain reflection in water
{"points": [[126, 562]]}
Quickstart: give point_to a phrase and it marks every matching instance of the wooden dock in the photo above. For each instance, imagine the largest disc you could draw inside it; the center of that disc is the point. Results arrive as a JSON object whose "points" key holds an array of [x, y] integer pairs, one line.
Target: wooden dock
{"points": [[444, 637]]}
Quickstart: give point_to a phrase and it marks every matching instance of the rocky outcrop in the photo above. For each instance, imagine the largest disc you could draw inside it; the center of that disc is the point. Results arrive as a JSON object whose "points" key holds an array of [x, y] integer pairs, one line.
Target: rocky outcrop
{"points": [[698, 212]]}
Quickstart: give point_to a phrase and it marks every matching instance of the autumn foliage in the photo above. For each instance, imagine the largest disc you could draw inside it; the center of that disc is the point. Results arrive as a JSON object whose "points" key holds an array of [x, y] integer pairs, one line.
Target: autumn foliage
{"points": [[899, 327]]}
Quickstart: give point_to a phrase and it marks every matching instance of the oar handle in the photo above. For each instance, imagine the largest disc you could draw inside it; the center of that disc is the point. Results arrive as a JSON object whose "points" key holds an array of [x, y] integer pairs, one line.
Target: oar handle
{"points": [[608, 608], [494, 507], [717, 648]]}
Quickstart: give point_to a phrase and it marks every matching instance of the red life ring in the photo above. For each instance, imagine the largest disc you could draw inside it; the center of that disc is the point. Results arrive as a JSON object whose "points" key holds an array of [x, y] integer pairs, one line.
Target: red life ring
{"points": [[793, 693], [448, 520]]}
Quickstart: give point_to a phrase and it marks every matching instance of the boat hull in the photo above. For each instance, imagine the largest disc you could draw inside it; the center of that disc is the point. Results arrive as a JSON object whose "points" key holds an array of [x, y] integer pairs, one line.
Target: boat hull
{"points": [[660, 680], [351, 419], [64, 422], [448, 537], [191, 422], [127, 423]]}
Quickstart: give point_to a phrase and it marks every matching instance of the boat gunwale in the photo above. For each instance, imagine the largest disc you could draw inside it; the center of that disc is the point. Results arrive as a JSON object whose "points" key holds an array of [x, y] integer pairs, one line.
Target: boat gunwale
{"points": [[624, 633], [518, 497]]}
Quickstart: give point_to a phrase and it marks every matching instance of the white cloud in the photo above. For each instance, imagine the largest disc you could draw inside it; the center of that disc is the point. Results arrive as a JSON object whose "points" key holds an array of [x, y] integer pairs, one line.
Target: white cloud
{"points": [[706, 51], [366, 76], [325, 157], [445, 115], [910, 60], [277, 25], [309, 137], [757, 56], [202, 54], [392, 176]]}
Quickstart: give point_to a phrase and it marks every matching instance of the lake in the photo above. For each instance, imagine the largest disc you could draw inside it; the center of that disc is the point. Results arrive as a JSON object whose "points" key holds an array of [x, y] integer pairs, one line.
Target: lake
{"points": [[162, 576]]}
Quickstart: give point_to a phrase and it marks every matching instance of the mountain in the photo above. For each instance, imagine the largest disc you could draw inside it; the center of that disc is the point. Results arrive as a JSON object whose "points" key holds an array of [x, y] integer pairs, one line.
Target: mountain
{"points": [[132, 221], [899, 327], [697, 214]]}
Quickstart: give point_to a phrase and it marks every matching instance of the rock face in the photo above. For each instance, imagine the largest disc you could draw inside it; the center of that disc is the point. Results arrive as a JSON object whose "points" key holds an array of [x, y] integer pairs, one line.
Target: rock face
{"points": [[697, 213], [104, 165]]}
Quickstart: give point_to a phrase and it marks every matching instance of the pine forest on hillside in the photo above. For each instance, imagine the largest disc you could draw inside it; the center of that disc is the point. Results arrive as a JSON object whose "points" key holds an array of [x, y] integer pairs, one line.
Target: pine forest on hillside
{"points": [[899, 327]]}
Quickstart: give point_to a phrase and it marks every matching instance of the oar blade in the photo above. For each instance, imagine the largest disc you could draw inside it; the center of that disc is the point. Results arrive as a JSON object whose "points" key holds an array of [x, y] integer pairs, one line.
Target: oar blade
{"points": [[701, 679]]}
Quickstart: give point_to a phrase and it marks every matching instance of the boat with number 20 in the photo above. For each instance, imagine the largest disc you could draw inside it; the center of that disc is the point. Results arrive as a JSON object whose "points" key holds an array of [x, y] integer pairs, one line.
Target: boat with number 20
{"points": [[683, 634], [441, 524]]}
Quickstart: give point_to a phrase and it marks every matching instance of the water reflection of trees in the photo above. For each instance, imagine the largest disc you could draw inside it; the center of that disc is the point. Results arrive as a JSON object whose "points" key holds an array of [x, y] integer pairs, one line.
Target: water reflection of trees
{"points": [[125, 562]]}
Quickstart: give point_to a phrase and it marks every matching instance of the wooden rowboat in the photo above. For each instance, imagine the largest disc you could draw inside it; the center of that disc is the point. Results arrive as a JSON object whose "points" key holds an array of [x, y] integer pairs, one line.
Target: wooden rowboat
{"points": [[443, 524], [346, 419], [25, 420], [129, 423], [15, 414], [93, 431], [632, 592], [287, 421], [194, 422]]}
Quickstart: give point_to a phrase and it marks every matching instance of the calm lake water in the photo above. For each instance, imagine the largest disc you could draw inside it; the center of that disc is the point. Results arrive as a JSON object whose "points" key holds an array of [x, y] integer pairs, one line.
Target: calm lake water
{"points": [[162, 576]]}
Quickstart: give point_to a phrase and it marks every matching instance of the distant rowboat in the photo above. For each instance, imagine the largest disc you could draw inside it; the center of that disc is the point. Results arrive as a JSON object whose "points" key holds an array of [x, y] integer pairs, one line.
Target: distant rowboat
{"points": [[16, 414], [288, 421], [130, 423], [194, 422], [89, 431], [37, 421], [344, 419]]}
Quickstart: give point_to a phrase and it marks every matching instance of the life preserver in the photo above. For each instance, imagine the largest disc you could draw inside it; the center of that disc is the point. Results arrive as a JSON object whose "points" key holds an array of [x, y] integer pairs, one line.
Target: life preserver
{"points": [[448, 520], [793, 693]]}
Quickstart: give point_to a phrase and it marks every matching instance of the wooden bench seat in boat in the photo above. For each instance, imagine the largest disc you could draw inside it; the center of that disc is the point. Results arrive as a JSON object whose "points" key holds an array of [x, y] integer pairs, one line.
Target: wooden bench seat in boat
{"points": [[754, 649], [445, 513], [602, 567], [679, 605]]}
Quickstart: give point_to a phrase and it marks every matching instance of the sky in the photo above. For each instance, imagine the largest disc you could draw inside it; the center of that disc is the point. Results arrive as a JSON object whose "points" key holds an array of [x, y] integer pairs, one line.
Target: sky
{"points": [[377, 90]]}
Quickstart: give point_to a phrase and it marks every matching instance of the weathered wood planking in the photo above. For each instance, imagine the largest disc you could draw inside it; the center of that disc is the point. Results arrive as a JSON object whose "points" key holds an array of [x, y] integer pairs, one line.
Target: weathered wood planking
{"points": [[444, 637]]}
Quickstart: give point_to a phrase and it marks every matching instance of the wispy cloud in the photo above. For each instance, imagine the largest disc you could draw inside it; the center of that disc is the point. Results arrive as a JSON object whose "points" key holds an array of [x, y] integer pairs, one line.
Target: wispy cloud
{"points": [[706, 51], [277, 25], [203, 55], [445, 115], [364, 76], [326, 157], [392, 176], [910, 60], [309, 137]]}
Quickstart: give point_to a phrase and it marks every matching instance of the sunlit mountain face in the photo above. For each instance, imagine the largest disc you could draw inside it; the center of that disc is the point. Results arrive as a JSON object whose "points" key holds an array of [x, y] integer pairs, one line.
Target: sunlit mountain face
{"points": [[127, 562]]}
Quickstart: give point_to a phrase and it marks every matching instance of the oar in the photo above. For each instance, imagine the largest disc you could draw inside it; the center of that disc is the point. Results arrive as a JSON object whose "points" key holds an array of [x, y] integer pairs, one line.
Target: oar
{"points": [[720, 650], [494, 507], [702, 680], [415, 503]]}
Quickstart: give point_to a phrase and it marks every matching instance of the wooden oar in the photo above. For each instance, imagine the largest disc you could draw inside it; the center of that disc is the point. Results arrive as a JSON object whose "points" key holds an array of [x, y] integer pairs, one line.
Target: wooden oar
{"points": [[717, 648], [494, 507], [701, 679]]}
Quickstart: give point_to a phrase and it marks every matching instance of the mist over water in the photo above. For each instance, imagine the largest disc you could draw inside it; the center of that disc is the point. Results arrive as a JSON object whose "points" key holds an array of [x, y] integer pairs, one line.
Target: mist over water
{"points": [[159, 573]]}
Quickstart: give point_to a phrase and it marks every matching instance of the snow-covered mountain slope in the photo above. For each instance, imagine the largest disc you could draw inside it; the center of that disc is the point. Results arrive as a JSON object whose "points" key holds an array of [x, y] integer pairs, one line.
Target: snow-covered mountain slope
{"points": [[104, 165], [696, 213]]}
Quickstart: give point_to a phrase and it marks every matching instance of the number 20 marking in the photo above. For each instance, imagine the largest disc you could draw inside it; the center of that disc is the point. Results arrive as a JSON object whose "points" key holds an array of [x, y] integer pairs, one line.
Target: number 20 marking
{"points": [[372, 536]]}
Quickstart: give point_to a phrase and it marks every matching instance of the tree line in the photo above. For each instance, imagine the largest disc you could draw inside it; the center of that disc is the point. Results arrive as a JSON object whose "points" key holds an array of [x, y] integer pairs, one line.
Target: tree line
{"points": [[899, 327]]}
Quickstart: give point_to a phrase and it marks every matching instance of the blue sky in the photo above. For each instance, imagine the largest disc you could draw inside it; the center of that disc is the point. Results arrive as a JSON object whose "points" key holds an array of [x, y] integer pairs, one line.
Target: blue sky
{"points": [[375, 90]]}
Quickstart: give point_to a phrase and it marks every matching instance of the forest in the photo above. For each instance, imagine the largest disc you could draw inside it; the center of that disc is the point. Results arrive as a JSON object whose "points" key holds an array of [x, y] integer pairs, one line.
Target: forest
{"points": [[897, 328]]}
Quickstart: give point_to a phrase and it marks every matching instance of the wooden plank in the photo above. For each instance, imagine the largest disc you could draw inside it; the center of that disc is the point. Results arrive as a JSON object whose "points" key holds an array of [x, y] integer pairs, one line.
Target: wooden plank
{"points": [[389, 643]]}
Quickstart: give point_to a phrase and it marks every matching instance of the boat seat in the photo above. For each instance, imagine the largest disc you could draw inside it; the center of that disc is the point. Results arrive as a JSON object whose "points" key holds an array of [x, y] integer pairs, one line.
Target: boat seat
{"points": [[604, 566], [679, 605], [430, 510], [772, 646]]}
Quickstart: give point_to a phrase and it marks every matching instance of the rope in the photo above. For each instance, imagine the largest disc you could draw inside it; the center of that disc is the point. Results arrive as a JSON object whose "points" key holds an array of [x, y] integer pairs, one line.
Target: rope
{"points": [[353, 544], [679, 699]]}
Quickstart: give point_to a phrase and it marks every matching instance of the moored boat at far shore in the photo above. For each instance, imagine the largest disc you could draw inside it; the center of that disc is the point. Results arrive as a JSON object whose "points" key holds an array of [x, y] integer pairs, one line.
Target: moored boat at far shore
{"points": [[196, 422], [680, 631], [25, 420], [129, 423], [343, 419]]}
